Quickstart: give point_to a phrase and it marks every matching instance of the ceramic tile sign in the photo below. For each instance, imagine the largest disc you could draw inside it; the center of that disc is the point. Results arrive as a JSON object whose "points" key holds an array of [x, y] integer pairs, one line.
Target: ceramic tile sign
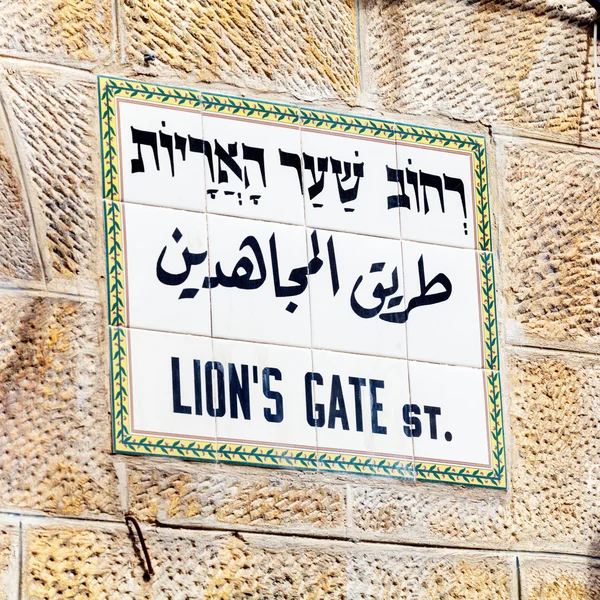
{"points": [[298, 289]]}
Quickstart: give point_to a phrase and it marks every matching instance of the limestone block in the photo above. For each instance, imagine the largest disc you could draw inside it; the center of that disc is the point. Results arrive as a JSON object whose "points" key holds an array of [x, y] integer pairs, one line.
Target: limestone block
{"points": [[18, 257], [89, 563], [549, 241], [229, 496], [378, 573], [9, 565], [556, 435], [75, 562], [559, 578], [553, 501], [306, 47], [72, 561], [590, 110], [58, 30], [54, 423], [54, 116], [520, 63]]}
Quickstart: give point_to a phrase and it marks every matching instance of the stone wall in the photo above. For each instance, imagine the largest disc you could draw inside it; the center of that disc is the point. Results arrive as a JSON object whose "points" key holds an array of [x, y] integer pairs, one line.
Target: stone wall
{"points": [[519, 72]]}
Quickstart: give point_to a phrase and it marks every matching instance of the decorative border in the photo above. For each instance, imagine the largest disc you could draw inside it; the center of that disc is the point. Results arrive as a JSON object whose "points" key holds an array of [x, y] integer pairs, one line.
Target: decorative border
{"points": [[109, 88], [349, 124], [115, 276], [126, 442], [475, 145], [250, 109]]}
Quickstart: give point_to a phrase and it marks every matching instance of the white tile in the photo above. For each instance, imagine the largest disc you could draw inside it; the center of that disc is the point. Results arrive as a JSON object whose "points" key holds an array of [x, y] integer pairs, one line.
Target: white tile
{"points": [[168, 391], [348, 179], [160, 161], [358, 403], [248, 178], [448, 417], [426, 215], [157, 243], [259, 314], [347, 316], [265, 395], [449, 330]]}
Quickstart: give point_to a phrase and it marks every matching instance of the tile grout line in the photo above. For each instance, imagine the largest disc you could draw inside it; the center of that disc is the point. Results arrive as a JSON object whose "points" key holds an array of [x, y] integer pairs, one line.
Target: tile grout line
{"points": [[303, 225], [32, 62], [47, 293], [203, 114], [359, 48], [20, 562]]}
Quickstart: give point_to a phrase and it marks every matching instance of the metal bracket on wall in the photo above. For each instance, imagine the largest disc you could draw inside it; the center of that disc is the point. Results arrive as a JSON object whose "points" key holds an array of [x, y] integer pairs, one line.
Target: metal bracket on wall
{"points": [[149, 571]]}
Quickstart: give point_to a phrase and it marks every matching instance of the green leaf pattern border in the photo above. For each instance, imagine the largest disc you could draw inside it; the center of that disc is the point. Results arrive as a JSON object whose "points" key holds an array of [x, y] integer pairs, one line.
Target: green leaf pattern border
{"points": [[109, 88]]}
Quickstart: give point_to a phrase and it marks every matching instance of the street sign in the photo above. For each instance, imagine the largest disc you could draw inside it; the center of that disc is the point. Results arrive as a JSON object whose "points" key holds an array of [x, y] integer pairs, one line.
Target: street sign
{"points": [[295, 288]]}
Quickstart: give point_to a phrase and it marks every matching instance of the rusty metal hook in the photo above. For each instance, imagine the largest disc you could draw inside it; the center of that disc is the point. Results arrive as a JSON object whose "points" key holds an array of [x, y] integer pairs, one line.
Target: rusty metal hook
{"points": [[148, 567]]}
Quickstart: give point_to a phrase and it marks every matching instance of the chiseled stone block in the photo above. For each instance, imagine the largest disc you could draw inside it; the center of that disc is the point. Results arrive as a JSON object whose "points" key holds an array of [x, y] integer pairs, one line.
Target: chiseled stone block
{"points": [[80, 562], [307, 47], [75, 561], [492, 61], [18, 257], [63, 30], [375, 573], [552, 503], [54, 117], [54, 423], [590, 111], [9, 562], [556, 444], [206, 495], [560, 578], [549, 243]]}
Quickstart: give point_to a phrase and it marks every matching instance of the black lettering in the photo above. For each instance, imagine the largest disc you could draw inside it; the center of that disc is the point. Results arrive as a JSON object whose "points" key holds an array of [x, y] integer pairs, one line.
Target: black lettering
{"points": [[270, 416], [433, 412], [217, 367], [176, 380], [358, 382], [311, 408], [337, 406], [414, 423], [239, 392], [376, 407], [197, 387]]}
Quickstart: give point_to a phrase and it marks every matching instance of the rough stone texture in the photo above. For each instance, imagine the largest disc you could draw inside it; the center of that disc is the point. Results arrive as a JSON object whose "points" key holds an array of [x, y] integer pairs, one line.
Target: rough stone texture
{"points": [[81, 563], [18, 258], [72, 30], [553, 503], [550, 240], [560, 579], [54, 117], [267, 500], [554, 421], [8, 562], [521, 63], [54, 424], [525, 64], [305, 47], [64, 562], [590, 112], [427, 575]]}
